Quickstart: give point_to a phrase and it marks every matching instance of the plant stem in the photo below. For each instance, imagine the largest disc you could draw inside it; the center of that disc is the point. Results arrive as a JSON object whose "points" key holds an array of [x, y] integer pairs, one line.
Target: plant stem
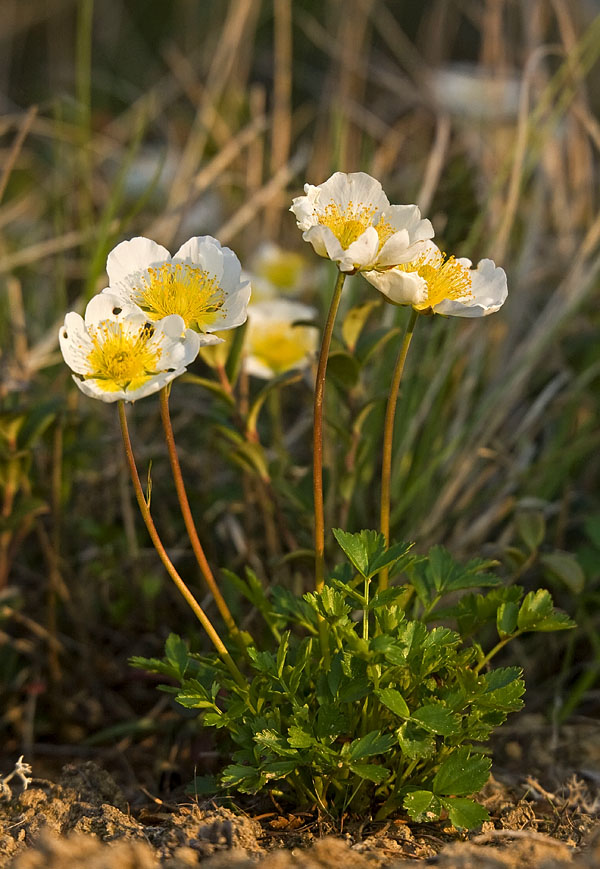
{"points": [[189, 520], [388, 438], [500, 645], [318, 435], [169, 566]]}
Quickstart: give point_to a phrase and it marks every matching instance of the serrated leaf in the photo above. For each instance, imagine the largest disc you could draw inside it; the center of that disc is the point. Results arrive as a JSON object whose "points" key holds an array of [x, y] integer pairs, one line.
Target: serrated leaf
{"points": [[565, 567], [415, 742], [461, 774], [531, 528], [370, 771], [299, 738], [537, 613], [422, 806], [504, 688], [465, 814], [176, 653], [394, 701], [361, 548], [437, 719], [387, 596], [373, 743], [236, 774], [263, 661]]}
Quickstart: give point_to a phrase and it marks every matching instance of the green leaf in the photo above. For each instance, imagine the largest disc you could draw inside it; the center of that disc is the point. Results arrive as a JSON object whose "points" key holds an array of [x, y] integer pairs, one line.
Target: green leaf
{"points": [[244, 778], [422, 806], [461, 774], [278, 769], [504, 688], [415, 742], [343, 369], [437, 719], [387, 596], [299, 738], [282, 652], [370, 771], [506, 619], [373, 743], [531, 528], [564, 567], [176, 653], [354, 322], [263, 661], [361, 548], [465, 814], [537, 613], [394, 701], [285, 379], [210, 385]]}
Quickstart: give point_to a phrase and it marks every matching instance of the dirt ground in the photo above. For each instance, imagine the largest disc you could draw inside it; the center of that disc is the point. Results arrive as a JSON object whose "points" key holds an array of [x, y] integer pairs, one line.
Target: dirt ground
{"points": [[544, 820]]}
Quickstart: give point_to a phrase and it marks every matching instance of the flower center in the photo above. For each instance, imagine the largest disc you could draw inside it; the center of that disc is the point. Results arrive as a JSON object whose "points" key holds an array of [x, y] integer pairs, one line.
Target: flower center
{"points": [[349, 225], [179, 288], [445, 277], [122, 360], [280, 346]]}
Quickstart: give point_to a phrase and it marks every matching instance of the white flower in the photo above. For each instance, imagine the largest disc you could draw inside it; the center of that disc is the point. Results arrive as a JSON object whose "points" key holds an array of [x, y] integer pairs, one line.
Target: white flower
{"points": [[202, 283], [273, 343], [444, 284], [274, 270], [117, 353], [349, 219]]}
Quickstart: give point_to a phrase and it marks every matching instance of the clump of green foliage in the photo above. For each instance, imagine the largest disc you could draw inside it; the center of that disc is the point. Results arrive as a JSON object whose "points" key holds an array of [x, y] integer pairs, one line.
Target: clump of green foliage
{"points": [[392, 714]]}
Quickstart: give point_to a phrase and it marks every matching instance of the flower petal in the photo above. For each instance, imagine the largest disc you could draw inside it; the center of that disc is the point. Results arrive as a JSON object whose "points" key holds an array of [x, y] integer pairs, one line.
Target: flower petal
{"points": [[235, 310], [75, 343], [204, 251], [134, 256], [111, 306], [401, 288], [362, 253], [489, 290]]}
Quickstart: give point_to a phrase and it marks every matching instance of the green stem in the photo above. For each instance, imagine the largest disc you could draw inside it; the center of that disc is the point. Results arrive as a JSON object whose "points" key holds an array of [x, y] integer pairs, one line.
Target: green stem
{"points": [[169, 566], [318, 457], [495, 651], [388, 438], [318, 434], [188, 519]]}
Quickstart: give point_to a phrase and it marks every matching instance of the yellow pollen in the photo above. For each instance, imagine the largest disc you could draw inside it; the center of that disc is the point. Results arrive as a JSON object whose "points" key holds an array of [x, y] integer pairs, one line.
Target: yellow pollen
{"points": [[122, 360], [349, 225], [446, 278], [283, 269], [280, 346], [179, 288]]}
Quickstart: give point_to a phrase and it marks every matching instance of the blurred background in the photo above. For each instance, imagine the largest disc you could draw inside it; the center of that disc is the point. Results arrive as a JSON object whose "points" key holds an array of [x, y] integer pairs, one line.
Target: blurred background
{"points": [[136, 117]]}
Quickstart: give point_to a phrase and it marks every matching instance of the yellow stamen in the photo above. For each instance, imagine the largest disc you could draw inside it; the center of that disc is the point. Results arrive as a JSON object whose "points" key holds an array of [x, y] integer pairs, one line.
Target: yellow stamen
{"points": [[122, 360], [179, 288], [349, 225], [280, 346], [446, 278], [283, 269]]}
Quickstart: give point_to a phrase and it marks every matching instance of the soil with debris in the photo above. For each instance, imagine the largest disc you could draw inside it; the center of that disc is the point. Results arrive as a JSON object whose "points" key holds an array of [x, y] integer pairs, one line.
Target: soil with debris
{"points": [[84, 820]]}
